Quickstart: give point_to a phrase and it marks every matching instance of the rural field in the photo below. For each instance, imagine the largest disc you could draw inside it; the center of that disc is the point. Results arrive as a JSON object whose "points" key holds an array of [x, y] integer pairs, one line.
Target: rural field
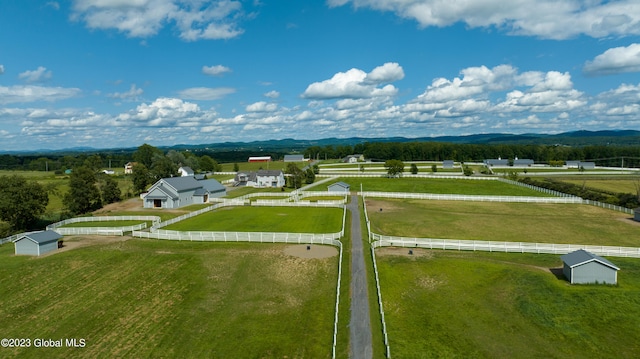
{"points": [[147, 298], [500, 221], [618, 184], [265, 219], [449, 304], [440, 186]]}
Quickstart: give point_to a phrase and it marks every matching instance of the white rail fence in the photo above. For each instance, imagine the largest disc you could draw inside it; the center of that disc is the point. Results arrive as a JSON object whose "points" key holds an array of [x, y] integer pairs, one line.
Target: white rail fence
{"points": [[105, 230], [260, 237], [536, 188], [14, 237], [476, 198], [493, 246]]}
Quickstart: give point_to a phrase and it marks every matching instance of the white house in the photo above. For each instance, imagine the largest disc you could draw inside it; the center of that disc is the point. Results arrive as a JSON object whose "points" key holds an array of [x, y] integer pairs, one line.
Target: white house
{"points": [[353, 159], [261, 178], [185, 171], [128, 167], [177, 192]]}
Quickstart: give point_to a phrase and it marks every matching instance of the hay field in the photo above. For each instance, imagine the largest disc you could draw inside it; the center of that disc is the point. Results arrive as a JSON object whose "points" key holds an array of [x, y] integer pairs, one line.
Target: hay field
{"points": [[497, 221], [449, 304], [142, 298]]}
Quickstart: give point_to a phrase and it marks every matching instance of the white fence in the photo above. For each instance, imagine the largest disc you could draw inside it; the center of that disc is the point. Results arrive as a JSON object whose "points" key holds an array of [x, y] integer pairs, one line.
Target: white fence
{"points": [[609, 206], [493, 246], [14, 237], [260, 237], [477, 198], [101, 230]]}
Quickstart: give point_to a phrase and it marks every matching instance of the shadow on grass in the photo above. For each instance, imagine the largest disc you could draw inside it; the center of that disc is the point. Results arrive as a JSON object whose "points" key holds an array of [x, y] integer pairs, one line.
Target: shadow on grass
{"points": [[558, 273]]}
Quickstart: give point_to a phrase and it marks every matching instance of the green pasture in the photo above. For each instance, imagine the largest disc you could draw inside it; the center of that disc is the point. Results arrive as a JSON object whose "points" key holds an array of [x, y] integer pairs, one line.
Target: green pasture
{"points": [[502, 221], [627, 184], [159, 299], [440, 186], [265, 219], [235, 192], [254, 166], [449, 304]]}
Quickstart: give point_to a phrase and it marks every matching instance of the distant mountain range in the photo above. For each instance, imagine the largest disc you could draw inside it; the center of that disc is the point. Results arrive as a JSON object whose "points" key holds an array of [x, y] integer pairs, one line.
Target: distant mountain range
{"points": [[574, 138]]}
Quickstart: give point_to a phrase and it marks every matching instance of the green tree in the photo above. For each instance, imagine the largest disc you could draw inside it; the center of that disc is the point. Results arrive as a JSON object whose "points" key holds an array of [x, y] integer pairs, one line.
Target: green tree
{"points": [[145, 154], [310, 176], [434, 168], [466, 170], [296, 175], [110, 190], [94, 162], [21, 201], [163, 167], [236, 168], [414, 169], [83, 195], [141, 177], [394, 167], [208, 164]]}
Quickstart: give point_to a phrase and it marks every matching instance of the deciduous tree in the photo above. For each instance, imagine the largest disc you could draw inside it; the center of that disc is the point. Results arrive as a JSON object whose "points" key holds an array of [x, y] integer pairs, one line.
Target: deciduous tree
{"points": [[83, 195], [21, 201]]}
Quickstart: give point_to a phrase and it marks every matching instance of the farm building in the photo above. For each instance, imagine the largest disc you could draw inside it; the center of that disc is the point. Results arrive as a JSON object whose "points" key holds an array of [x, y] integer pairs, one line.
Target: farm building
{"points": [[522, 162], [185, 171], [177, 192], [260, 159], [353, 159], [636, 214], [37, 243], [579, 164], [128, 167], [261, 178], [447, 164], [581, 267], [294, 158], [339, 187], [496, 162]]}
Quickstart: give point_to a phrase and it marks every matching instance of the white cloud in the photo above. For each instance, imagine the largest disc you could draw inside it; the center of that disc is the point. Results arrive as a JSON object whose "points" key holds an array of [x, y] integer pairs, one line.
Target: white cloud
{"points": [[272, 94], [262, 106], [356, 83], [195, 20], [615, 60], [18, 94], [542, 18], [217, 70], [131, 95], [1, 69], [38, 75], [53, 4], [205, 93]]}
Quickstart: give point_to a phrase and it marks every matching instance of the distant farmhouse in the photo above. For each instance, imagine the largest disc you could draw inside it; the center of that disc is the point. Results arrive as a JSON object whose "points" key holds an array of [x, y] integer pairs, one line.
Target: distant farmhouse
{"points": [[185, 171], [260, 179], [294, 158], [353, 159], [581, 164], [582, 267], [128, 167], [37, 243], [178, 192], [260, 159]]}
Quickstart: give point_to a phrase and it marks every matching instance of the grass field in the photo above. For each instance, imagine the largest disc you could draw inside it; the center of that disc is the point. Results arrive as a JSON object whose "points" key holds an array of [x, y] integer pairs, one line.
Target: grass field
{"points": [[103, 224], [441, 186], [614, 184], [497, 221], [265, 219], [448, 304], [143, 298]]}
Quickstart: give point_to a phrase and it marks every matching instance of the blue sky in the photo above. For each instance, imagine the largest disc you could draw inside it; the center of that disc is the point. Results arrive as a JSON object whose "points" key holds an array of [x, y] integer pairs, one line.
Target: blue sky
{"points": [[120, 73]]}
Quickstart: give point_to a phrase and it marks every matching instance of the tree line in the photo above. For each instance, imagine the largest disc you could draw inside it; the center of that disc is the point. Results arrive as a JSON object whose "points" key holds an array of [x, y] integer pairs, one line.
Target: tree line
{"points": [[439, 151]]}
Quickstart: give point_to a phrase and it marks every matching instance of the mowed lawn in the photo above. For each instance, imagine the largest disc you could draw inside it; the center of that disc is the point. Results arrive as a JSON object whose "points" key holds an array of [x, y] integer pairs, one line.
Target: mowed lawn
{"points": [[441, 186], [500, 221], [265, 219], [125, 223], [159, 299], [449, 304]]}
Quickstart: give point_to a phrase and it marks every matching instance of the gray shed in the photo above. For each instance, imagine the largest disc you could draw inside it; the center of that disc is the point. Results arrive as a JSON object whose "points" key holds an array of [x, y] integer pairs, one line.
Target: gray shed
{"points": [[339, 187], [636, 214], [581, 267], [447, 164], [293, 158], [37, 243]]}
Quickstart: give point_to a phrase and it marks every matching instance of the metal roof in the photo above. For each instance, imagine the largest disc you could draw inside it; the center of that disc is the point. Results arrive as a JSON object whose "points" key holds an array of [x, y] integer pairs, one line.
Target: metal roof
{"points": [[581, 256], [41, 237], [341, 184], [212, 185], [182, 183]]}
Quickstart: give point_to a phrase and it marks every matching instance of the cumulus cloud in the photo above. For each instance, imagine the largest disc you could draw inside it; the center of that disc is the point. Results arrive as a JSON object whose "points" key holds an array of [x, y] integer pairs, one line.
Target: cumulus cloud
{"points": [[272, 94], [262, 106], [195, 20], [217, 70], [205, 93], [615, 60], [543, 18], [356, 83], [38, 75], [132, 95], [22, 94]]}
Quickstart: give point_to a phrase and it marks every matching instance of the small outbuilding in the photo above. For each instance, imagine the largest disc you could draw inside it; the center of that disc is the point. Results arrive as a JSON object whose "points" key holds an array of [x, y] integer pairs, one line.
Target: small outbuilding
{"points": [[37, 243], [447, 164], [582, 267], [636, 214], [339, 187], [293, 158]]}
